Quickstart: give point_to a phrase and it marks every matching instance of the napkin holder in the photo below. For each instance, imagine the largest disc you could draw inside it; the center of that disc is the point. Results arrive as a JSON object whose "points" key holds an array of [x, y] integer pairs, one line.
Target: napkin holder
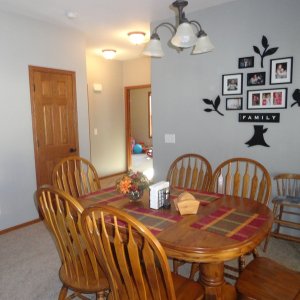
{"points": [[186, 204], [159, 194]]}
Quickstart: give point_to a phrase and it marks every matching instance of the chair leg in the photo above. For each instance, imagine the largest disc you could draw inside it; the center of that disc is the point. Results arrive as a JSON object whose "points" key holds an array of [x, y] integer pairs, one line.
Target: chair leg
{"points": [[194, 269], [242, 263], [101, 295], [176, 265], [63, 293]]}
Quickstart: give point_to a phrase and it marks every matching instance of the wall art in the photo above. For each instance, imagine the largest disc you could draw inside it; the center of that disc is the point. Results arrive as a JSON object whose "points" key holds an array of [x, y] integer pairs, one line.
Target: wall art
{"points": [[296, 97], [258, 137], [257, 78], [266, 50], [246, 62], [281, 70], [234, 103], [259, 117], [215, 104], [267, 99], [232, 84]]}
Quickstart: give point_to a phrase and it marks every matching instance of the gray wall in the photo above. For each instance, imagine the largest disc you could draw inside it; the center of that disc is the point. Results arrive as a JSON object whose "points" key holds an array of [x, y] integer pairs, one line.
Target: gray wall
{"points": [[27, 42], [180, 81]]}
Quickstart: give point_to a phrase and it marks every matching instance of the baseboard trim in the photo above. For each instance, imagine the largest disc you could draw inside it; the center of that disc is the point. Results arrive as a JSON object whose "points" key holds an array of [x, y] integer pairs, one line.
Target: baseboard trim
{"points": [[19, 226], [113, 175]]}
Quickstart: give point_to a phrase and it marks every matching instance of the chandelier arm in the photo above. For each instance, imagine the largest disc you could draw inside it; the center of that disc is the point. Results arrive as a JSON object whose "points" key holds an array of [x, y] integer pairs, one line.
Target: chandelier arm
{"points": [[200, 32], [165, 24]]}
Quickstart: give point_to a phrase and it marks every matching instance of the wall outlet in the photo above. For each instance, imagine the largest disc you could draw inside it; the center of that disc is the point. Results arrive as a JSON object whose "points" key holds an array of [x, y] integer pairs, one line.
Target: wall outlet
{"points": [[170, 138]]}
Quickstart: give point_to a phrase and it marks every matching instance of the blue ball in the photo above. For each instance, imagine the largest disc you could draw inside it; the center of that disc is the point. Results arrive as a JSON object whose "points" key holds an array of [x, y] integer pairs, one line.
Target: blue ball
{"points": [[137, 149]]}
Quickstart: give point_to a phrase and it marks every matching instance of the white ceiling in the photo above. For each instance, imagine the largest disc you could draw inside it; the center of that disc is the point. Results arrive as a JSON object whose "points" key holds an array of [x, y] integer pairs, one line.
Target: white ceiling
{"points": [[104, 23]]}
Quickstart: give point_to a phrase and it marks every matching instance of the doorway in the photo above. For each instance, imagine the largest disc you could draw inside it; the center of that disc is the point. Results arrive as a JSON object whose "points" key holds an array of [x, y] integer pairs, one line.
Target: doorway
{"points": [[139, 129], [54, 118]]}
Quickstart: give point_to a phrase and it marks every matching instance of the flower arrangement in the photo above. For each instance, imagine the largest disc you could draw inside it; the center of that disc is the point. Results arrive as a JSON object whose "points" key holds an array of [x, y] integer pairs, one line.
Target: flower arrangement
{"points": [[132, 183]]}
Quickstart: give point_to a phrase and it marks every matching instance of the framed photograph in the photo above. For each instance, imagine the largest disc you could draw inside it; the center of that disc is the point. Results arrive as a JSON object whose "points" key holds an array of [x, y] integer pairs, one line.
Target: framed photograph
{"points": [[246, 62], [234, 103], [281, 70], [257, 78], [232, 84], [267, 99]]}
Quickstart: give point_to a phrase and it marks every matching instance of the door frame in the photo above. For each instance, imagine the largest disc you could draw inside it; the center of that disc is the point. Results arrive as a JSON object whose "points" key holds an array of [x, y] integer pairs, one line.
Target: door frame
{"points": [[31, 70], [127, 90]]}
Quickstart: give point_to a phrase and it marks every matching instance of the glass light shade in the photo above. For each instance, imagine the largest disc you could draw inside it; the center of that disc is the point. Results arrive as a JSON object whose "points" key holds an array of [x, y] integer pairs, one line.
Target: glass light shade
{"points": [[203, 45], [185, 36], [136, 37], [109, 53], [154, 49]]}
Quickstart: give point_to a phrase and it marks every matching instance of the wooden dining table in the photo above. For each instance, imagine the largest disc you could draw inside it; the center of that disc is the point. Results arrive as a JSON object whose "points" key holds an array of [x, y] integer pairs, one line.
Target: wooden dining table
{"points": [[224, 228]]}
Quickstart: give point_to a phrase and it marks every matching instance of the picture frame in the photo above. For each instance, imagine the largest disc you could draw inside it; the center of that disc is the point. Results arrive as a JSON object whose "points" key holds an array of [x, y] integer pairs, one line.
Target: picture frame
{"points": [[234, 103], [232, 84], [256, 78], [267, 99], [281, 70], [246, 62]]}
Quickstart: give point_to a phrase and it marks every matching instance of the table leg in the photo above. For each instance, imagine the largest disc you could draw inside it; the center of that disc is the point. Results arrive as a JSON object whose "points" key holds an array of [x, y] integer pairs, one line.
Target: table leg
{"points": [[212, 278]]}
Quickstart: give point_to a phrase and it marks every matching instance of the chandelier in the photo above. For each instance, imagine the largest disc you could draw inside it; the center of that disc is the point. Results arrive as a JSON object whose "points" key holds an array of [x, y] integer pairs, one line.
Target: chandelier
{"points": [[183, 36]]}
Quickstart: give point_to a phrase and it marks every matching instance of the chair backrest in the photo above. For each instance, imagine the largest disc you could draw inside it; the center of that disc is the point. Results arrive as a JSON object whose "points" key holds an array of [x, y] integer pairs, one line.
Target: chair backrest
{"points": [[135, 262], [288, 184], [76, 176], [190, 171], [242, 177], [62, 216]]}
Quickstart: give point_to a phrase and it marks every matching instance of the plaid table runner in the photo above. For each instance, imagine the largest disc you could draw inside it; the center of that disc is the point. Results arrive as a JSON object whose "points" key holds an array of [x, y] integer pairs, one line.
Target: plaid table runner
{"points": [[231, 223], [204, 197], [155, 220], [105, 196]]}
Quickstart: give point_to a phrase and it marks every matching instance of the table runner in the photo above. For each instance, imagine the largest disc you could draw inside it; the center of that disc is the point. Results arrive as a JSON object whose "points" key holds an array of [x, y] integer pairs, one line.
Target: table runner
{"points": [[204, 197], [155, 220], [230, 222]]}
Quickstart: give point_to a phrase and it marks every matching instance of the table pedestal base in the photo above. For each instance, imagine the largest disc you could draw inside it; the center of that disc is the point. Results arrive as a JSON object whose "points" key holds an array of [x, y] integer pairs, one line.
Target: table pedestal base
{"points": [[212, 278]]}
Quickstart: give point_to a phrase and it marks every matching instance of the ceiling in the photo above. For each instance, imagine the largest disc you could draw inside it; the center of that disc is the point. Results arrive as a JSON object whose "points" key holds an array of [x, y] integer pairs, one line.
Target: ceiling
{"points": [[105, 24]]}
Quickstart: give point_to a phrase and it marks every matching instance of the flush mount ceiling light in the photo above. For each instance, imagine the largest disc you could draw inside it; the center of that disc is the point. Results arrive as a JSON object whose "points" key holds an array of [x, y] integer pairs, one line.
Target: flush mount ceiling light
{"points": [[109, 53], [136, 37], [184, 35]]}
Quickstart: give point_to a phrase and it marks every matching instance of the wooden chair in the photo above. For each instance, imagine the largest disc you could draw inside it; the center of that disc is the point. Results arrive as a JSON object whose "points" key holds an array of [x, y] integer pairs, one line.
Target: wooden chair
{"points": [[265, 279], [286, 203], [76, 176], [190, 171], [134, 260], [242, 177], [79, 269]]}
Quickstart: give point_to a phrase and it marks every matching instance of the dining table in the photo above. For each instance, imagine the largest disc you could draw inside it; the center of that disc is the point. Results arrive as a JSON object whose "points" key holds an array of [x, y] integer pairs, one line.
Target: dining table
{"points": [[224, 228]]}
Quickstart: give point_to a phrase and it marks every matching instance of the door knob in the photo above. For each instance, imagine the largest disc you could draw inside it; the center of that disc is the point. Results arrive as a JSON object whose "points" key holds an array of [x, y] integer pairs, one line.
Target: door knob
{"points": [[72, 150]]}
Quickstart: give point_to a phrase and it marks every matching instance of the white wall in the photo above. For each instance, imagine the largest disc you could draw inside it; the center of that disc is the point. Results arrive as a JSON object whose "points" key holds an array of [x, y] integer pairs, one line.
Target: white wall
{"points": [[107, 115], [180, 81], [27, 42]]}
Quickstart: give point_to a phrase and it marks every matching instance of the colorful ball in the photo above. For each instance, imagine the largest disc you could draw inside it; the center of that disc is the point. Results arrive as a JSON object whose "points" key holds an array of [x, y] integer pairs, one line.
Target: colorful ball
{"points": [[137, 149]]}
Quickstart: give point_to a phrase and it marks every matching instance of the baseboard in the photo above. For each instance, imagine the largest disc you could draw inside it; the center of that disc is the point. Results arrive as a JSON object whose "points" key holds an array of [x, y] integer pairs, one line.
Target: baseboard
{"points": [[112, 175], [19, 226]]}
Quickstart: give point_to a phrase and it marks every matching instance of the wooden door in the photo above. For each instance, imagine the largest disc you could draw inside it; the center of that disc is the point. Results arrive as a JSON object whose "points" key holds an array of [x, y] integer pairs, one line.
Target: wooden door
{"points": [[54, 118]]}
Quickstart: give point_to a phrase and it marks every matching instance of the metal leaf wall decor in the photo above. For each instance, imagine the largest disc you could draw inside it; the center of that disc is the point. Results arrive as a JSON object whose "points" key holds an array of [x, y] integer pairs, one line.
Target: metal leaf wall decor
{"points": [[266, 51], [215, 104], [296, 97]]}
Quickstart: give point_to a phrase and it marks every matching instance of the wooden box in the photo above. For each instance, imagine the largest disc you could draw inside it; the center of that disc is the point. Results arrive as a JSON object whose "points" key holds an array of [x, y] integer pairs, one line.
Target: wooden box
{"points": [[186, 204]]}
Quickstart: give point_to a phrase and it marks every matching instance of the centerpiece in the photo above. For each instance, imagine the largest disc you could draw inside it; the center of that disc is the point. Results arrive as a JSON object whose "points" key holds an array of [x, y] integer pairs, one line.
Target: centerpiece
{"points": [[132, 185]]}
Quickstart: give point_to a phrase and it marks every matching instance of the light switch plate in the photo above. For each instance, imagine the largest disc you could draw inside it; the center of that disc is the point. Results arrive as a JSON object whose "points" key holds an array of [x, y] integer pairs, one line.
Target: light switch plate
{"points": [[170, 138]]}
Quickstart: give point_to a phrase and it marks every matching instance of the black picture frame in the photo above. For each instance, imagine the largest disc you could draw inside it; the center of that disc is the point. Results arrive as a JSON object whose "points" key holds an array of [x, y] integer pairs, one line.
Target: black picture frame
{"points": [[267, 99], [256, 78], [232, 84], [246, 62], [281, 70], [234, 103]]}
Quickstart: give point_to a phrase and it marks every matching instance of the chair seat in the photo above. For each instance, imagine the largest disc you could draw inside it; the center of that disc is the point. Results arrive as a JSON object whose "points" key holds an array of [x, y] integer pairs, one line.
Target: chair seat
{"points": [[285, 200], [266, 279]]}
